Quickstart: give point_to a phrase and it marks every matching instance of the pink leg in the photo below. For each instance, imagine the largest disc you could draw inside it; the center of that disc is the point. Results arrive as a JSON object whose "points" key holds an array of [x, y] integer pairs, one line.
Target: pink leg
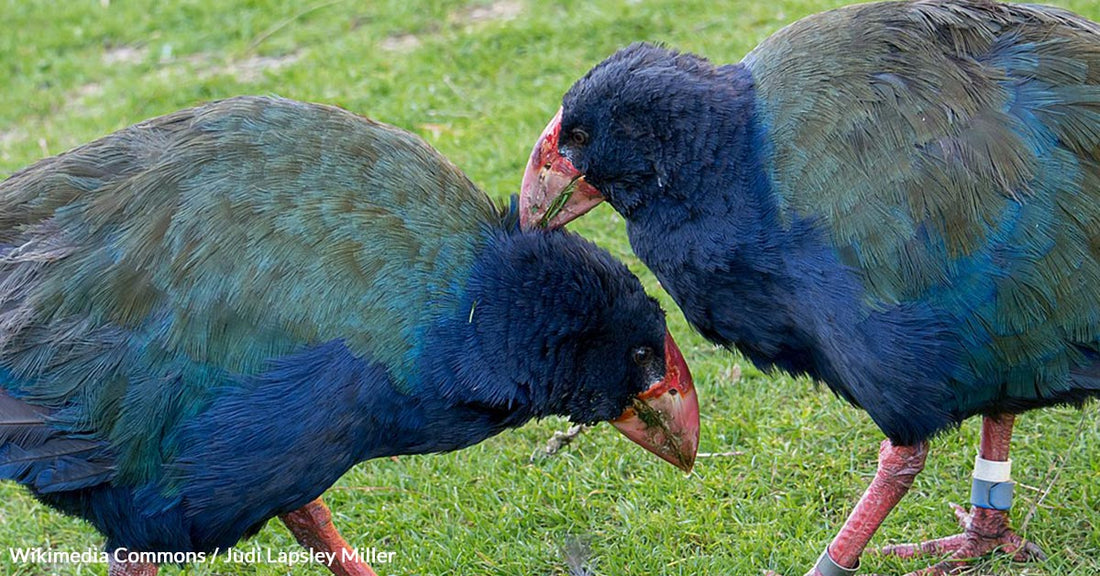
{"points": [[898, 466], [984, 530], [130, 568], [312, 527]]}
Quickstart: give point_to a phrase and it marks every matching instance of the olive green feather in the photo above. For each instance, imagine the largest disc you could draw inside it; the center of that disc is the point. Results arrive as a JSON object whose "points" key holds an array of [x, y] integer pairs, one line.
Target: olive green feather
{"points": [[206, 242], [943, 146]]}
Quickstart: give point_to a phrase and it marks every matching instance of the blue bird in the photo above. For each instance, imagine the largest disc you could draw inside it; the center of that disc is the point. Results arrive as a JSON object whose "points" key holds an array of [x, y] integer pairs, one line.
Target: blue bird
{"points": [[209, 317], [899, 199]]}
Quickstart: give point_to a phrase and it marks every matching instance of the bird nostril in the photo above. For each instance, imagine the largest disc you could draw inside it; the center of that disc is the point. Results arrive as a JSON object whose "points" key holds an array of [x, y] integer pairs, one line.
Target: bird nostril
{"points": [[673, 392]]}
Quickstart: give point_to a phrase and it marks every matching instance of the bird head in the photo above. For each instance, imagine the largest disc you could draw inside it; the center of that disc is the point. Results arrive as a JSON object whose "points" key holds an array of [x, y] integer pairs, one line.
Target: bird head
{"points": [[574, 333], [622, 134]]}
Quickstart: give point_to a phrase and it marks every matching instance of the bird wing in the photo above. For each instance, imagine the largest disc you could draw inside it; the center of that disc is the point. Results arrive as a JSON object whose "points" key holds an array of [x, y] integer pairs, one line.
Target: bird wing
{"points": [[950, 151], [141, 271]]}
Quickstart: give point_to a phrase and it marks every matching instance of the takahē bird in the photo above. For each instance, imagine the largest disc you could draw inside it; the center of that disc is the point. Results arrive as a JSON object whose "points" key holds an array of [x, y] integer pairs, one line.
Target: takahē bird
{"points": [[899, 199], [209, 317]]}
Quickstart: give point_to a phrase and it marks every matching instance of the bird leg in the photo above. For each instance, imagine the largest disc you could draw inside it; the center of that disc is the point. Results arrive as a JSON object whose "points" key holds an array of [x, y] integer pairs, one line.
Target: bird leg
{"points": [[985, 526], [312, 527], [898, 466], [116, 568]]}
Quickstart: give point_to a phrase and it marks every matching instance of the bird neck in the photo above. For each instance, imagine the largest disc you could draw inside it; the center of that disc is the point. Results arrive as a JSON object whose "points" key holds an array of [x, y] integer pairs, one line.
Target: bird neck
{"points": [[494, 352], [719, 224], [718, 167], [717, 177]]}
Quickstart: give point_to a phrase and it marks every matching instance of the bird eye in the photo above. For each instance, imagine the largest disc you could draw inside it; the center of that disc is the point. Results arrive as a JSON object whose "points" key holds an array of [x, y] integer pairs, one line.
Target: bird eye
{"points": [[578, 137], [642, 355]]}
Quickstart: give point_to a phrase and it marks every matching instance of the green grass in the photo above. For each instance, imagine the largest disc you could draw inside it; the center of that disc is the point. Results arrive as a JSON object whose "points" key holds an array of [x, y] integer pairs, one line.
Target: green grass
{"points": [[479, 81]]}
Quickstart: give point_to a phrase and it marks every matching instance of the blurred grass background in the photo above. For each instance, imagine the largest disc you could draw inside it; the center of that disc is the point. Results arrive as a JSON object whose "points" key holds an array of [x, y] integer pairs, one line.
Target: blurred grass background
{"points": [[479, 80]]}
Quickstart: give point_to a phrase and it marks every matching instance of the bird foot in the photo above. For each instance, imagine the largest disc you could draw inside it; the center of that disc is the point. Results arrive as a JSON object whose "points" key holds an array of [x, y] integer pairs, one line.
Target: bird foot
{"points": [[116, 568], [984, 532], [312, 526]]}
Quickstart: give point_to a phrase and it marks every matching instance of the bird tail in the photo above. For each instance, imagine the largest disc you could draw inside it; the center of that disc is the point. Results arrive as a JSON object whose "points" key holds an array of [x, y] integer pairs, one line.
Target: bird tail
{"points": [[38, 455]]}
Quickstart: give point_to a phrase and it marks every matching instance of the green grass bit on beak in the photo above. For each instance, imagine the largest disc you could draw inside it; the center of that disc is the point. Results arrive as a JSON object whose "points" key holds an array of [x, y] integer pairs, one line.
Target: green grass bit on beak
{"points": [[558, 203]]}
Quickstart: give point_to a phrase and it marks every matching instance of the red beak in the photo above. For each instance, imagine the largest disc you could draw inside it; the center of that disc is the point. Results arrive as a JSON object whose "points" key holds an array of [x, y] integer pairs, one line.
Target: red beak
{"points": [[553, 191], [665, 418]]}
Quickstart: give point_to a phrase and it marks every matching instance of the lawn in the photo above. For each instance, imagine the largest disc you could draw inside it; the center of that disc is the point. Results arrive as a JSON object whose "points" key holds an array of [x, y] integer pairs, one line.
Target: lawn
{"points": [[479, 80]]}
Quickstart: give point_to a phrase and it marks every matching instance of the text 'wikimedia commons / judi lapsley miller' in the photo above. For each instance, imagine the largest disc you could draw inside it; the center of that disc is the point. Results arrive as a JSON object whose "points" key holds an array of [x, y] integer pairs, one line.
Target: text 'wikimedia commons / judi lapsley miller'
{"points": [[255, 555]]}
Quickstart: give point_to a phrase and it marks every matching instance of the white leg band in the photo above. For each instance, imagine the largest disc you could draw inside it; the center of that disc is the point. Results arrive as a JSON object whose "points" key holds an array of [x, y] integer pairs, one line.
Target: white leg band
{"points": [[992, 470], [992, 485]]}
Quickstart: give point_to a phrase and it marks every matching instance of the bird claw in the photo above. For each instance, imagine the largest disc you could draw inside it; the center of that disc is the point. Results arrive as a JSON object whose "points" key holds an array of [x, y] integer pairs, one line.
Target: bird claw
{"points": [[984, 532]]}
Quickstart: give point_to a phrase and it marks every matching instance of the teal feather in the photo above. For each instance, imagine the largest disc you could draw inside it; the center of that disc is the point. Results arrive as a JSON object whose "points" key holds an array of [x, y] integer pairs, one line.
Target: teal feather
{"points": [[209, 317], [951, 151], [899, 199], [218, 238]]}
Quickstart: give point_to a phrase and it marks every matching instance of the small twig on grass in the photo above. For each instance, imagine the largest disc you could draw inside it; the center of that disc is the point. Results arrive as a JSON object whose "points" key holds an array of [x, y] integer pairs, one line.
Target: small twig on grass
{"points": [[286, 22], [473, 103], [577, 554], [560, 440], [731, 375], [461, 95], [1055, 470], [719, 454]]}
